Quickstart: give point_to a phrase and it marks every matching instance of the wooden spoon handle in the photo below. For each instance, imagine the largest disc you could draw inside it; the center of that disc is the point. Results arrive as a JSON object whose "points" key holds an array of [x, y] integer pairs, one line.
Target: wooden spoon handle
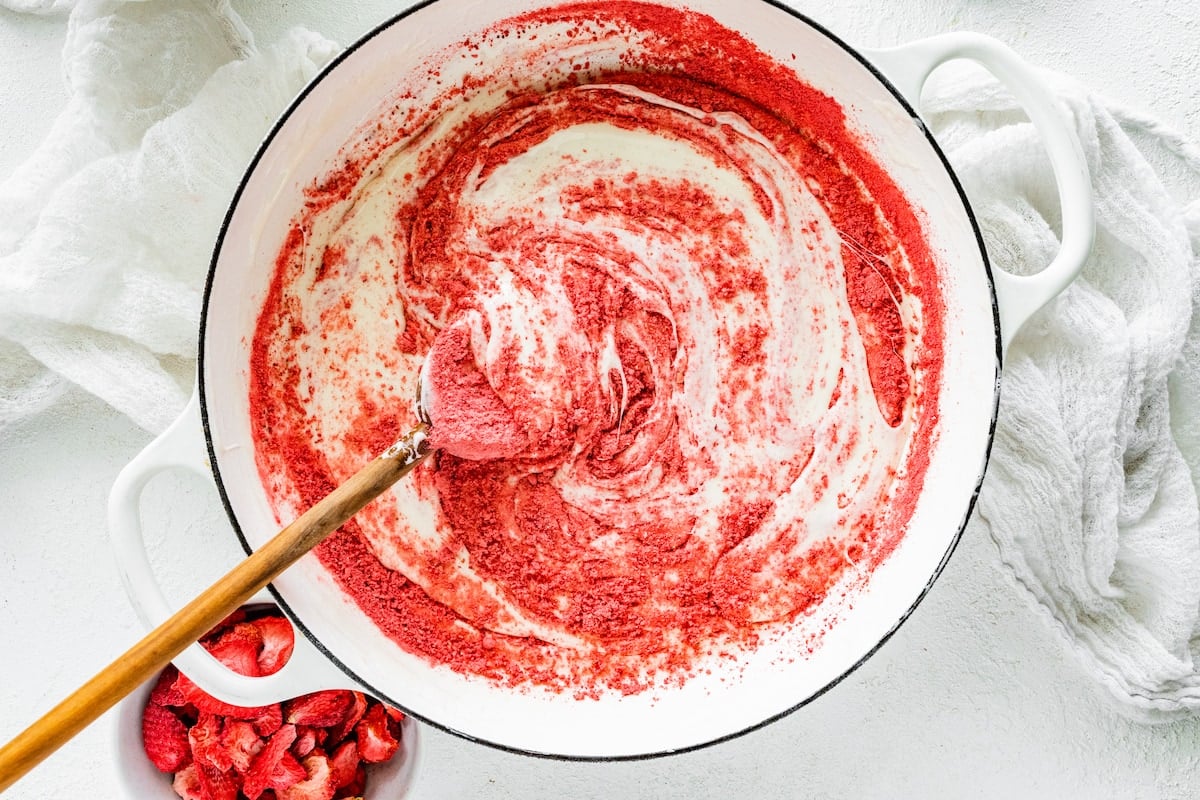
{"points": [[146, 658]]}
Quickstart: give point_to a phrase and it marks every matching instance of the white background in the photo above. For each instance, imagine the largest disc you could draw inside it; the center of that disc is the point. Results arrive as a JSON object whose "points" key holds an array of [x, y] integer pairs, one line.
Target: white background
{"points": [[974, 697]]}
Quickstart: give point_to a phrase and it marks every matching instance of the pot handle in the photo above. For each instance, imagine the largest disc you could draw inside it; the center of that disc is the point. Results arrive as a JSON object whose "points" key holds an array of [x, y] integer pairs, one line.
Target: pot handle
{"points": [[1017, 296], [182, 445]]}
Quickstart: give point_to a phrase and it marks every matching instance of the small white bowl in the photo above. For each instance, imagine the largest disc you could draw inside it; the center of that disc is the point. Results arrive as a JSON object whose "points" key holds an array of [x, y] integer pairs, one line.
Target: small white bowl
{"points": [[141, 780]]}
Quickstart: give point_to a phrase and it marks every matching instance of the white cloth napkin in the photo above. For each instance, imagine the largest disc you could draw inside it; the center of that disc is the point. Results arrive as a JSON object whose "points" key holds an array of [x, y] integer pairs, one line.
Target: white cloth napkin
{"points": [[106, 233], [1091, 491]]}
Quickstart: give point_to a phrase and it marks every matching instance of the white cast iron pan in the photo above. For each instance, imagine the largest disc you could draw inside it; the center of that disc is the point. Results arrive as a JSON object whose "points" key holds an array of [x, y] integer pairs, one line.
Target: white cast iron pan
{"points": [[340, 647]]}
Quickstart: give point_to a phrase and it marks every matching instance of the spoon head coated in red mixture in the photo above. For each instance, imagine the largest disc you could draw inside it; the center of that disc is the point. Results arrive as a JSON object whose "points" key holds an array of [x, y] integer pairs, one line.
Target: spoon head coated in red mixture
{"points": [[468, 418]]}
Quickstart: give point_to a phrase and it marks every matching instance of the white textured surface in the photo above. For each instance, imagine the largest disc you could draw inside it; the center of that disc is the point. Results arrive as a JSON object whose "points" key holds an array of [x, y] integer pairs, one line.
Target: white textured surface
{"points": [[973, 697]]}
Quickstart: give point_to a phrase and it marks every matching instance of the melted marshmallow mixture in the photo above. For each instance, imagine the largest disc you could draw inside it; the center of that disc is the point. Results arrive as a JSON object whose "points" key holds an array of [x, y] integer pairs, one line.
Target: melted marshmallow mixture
{"points": [[687, 359]]}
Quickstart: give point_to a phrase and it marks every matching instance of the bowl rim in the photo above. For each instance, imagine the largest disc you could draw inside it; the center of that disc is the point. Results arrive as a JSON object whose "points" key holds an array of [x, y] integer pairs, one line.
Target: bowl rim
{"points": [[281, 602]]}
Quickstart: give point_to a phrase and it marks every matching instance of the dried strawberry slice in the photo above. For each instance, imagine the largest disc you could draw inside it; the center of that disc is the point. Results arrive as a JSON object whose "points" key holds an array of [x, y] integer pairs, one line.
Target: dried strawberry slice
{"points": [[339, 731], [317, 786], [187, 783], [165, 739], [375, 742], [262, 772], [242, 742], [320, 709], [269, 720], [216, 784], [278, 641], [205, 740], [238, 648], [344, 764], [237, 616], [164, 692], [357, 787], [306, 740], [287, 773], [395, 719]]}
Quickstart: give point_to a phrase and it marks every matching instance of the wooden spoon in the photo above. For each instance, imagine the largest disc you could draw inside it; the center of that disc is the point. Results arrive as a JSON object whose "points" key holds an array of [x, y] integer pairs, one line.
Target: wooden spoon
{"points": [[146, 658]]}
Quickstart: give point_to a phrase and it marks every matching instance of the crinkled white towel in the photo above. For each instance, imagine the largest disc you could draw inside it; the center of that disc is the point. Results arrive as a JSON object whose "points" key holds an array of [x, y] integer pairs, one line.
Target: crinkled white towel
{"points": [[106, 231], [105, 237]]}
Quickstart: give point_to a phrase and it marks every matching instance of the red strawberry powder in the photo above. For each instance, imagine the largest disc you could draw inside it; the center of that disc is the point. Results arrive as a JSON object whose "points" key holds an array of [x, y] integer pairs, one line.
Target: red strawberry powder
{"points": [[685, 352]]}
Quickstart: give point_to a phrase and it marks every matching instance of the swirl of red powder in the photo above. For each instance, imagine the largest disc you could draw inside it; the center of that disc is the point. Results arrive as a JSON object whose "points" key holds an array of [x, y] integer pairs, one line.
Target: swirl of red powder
{"points": [[673, 399]]}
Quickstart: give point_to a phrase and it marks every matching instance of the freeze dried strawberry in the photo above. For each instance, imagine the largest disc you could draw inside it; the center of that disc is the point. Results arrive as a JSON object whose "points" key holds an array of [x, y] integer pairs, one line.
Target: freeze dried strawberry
{"points": [[395, 719], [288, 772], [278, 641], [205, 740], [164, 692], [339, 731], [320, 709], [233, 619], [357, 787], [165, 739], [269, 720], [344, 764], [375, 742], [187, 783], [212, 746], [238, 649], [216, 784], [269, 761], [317, 786], [306, 740], [241, 742]]}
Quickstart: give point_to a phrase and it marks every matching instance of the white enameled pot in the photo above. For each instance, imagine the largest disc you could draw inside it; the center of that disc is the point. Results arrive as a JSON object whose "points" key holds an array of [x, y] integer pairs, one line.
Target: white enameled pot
{"points": [[341, 647]]}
